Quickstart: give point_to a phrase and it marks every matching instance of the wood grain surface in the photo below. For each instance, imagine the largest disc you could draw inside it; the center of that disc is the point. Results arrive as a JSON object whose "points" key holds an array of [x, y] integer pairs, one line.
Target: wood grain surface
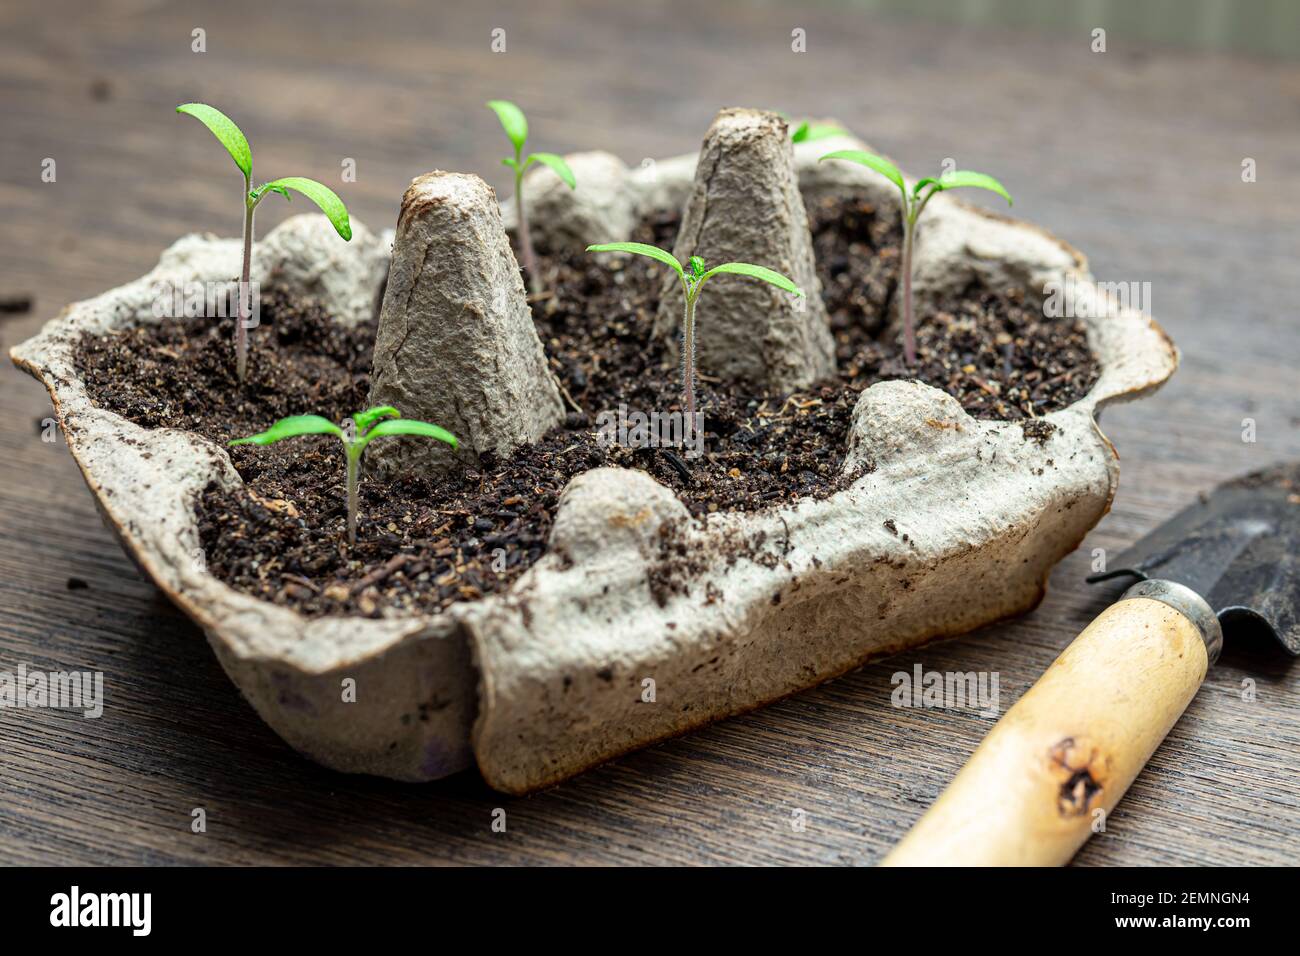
{"points": [[1133, 155]]}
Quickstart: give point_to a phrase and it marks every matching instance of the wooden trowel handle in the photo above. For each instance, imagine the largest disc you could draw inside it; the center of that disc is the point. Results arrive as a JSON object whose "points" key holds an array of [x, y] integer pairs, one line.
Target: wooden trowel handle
{"points": [[1062, 757]]}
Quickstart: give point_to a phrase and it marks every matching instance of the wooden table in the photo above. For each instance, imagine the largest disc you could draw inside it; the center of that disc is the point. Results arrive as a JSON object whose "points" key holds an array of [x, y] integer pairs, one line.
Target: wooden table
{"points": [[1134, 155]]}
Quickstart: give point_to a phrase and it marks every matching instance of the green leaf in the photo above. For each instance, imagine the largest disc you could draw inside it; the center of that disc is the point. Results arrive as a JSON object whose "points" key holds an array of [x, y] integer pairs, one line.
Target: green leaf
{"points": [[291, 427], [512, 121], [962, 178], [757, 272], [366, 418], [809, 132], [826, 131], [871, 161], [330, 204], [697, 266], [928, 181], [226, 132], [641, 249], [511, 162], [408, 426], [272, 188], [558, 164]]}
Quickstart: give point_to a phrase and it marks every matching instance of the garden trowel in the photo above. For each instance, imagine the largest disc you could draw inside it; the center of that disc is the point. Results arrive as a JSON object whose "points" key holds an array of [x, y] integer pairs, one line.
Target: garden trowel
{"points": [[1062, 757]]}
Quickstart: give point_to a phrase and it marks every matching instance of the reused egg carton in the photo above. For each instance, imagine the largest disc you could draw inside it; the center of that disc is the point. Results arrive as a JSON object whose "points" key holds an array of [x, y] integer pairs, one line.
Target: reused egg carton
{"points": [[957, 523]]}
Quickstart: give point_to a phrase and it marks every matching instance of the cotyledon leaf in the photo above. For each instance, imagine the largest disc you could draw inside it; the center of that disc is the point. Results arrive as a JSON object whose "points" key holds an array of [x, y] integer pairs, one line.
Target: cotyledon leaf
{"points": [[409, 426], [756, 272], [512, 121], [292, 427], [968, 178], [641, 249], [558, 164], [871, 161], [226, 132], [324, 197]]}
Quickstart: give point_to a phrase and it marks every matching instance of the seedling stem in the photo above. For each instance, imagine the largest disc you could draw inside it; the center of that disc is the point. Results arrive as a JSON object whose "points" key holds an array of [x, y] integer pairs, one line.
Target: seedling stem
{"points": [[525, 237], [245, 311]]}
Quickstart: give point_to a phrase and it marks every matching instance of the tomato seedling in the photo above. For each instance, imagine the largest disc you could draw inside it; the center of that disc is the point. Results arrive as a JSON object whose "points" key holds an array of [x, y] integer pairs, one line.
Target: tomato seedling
{"points": [[363, 428], [516, 127], [231, 137], [692, 282], [913, 205]]}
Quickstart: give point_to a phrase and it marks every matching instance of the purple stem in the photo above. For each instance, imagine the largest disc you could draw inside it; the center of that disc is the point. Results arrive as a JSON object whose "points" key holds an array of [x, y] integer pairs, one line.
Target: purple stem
{"points": [[909, 325], [688, 367], [525, 239], [354, 462], [244, 310]]}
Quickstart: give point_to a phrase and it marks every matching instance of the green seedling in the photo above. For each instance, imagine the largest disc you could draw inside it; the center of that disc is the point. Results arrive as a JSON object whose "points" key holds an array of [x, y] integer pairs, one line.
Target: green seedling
{"points": [[230, 136], [692, 282], [355, 435], [516, 127], [913, 205]]}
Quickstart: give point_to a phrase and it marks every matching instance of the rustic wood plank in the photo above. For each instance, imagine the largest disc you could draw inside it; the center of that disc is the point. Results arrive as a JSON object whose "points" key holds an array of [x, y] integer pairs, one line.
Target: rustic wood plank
{"points": [[1133, 155]]}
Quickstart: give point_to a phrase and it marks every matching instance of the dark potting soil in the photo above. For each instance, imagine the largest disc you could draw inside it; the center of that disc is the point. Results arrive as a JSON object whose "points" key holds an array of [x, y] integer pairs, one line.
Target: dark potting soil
{"points": [[423, 544]]}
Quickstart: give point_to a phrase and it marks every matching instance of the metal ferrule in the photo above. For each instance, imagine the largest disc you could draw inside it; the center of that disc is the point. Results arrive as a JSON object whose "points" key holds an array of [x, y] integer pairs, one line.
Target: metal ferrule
{"points": [[1189, 604]]}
